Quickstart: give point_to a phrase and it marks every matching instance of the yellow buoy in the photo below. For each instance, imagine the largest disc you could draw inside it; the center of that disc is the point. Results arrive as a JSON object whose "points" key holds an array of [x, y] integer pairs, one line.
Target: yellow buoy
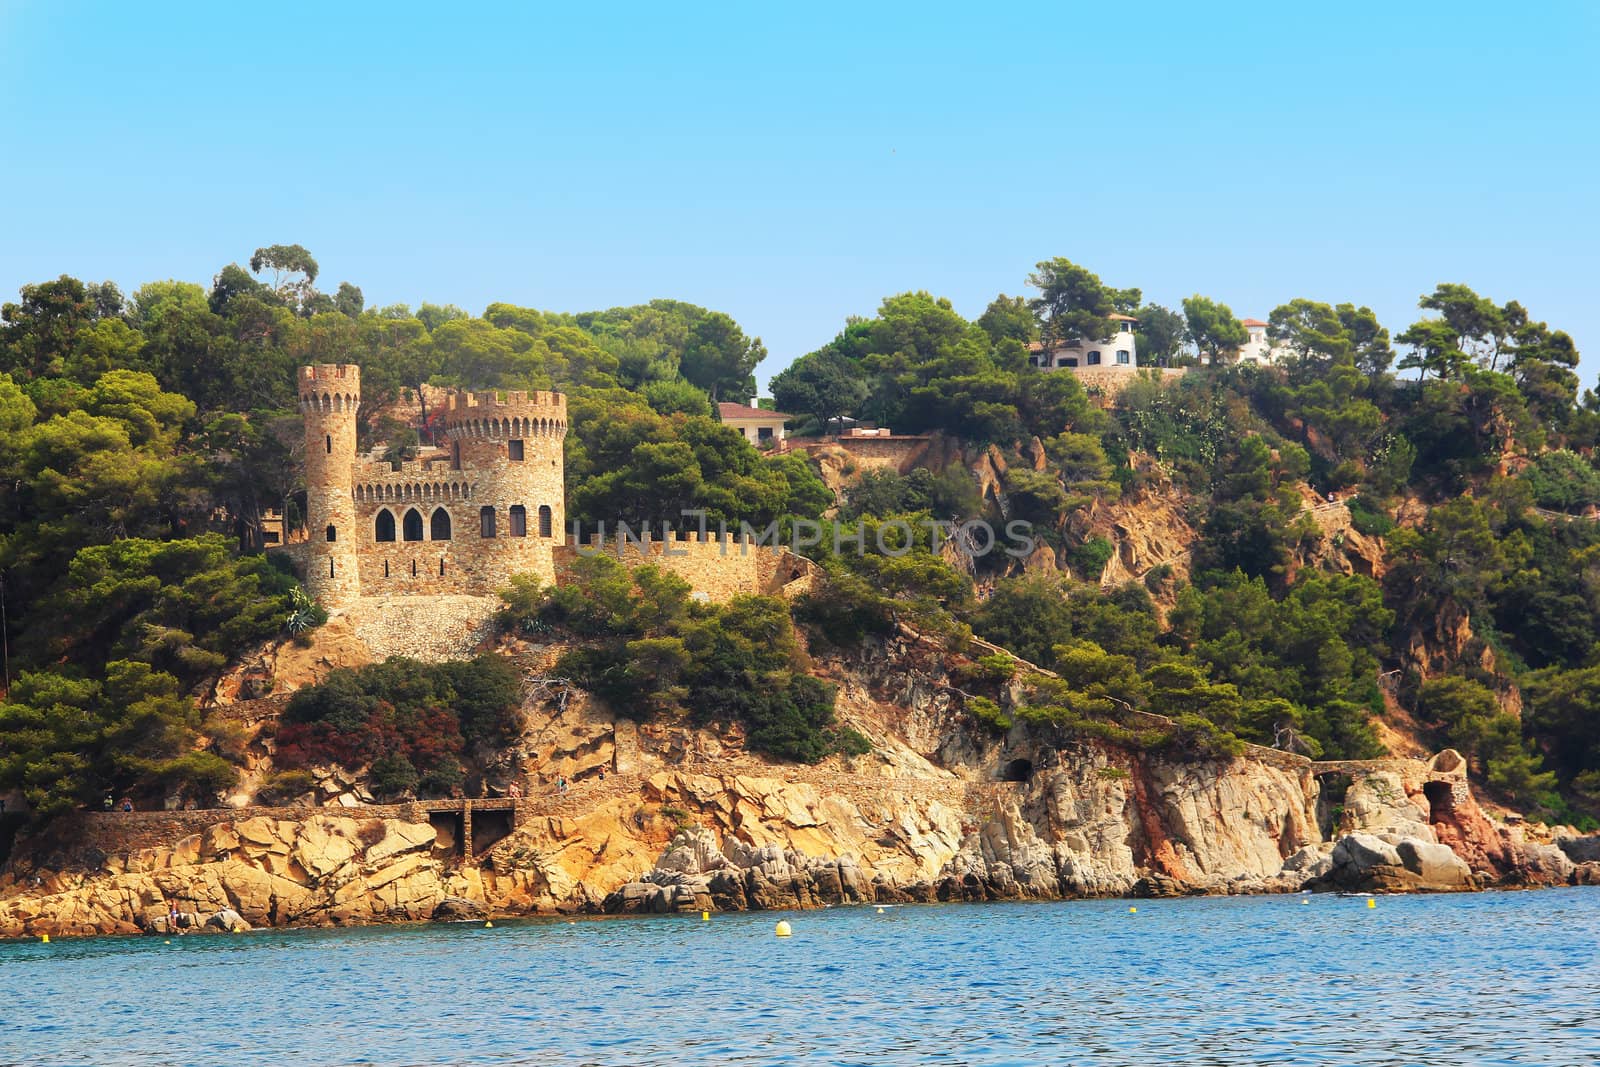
{"points": [[166, 942], [705, 916], [782, 929], [1305, 900], [1133, 911], [880, 911], [1371, 903], [44, 939], [488, 926]]}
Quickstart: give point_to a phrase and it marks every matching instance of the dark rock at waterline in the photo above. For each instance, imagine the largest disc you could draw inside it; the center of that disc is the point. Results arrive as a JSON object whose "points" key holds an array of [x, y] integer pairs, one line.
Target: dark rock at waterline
{"points": [[696, 875], [456, 909]]}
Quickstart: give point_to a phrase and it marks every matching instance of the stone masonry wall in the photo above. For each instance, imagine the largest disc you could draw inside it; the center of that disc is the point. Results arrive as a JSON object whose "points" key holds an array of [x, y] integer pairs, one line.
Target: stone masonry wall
{"points": [[1107, 382], [720, 570], [458, 521]]}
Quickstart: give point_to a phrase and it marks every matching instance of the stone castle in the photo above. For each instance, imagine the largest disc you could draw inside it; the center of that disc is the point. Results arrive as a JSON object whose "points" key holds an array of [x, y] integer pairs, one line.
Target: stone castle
{"points": [[400, 546], [458, 520]]}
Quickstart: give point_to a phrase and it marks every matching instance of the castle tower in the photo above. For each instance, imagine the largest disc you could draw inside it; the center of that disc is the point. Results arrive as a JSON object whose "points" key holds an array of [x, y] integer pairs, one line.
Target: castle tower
{"points": [[512, 443], [329, 396]]}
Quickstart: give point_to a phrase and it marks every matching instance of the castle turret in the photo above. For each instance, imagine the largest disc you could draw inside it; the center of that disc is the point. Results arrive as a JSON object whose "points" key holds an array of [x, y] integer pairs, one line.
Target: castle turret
{"points": [[513, 441], [330, 393]]}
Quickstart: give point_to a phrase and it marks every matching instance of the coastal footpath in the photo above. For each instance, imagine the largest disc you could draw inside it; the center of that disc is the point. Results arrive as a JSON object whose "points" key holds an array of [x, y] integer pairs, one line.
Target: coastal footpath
{"points": [[660, 817]]}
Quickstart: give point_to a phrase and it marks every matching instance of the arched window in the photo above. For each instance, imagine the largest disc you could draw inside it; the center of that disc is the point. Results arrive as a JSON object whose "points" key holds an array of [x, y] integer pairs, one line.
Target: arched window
{"points": [[439, 525], [412, 525], [331, 532], [383, 529], [519, 521], [544, 520], [455, 455], [1094, 359], [486, 522]]}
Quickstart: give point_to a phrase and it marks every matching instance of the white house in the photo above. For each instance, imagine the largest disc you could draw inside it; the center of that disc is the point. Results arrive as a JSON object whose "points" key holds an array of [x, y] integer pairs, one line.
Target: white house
{"points": [[1258, 349], [1116, 354], [760, 427]]}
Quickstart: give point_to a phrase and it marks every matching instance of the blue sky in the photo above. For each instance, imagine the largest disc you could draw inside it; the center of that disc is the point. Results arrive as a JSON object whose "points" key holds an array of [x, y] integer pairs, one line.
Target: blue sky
{"points": [[793, 165]]}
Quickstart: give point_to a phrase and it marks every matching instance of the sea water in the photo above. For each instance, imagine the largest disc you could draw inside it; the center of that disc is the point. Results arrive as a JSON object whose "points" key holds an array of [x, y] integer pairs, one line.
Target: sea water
{"points": [[1495, 978]]}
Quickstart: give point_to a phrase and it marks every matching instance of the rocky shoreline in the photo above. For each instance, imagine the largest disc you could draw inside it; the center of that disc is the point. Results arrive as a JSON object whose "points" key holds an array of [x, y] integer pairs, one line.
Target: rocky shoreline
{"points": [[663, 817], [1075, 830]]}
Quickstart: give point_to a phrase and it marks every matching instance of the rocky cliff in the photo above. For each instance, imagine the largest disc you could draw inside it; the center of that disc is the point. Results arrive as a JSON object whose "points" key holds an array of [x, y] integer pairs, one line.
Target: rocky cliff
{"points": [[661, 817]]}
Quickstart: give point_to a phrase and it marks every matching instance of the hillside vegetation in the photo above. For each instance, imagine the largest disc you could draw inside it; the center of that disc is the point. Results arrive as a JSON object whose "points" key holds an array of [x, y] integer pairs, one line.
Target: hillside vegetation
{"points": [[143, 436]]}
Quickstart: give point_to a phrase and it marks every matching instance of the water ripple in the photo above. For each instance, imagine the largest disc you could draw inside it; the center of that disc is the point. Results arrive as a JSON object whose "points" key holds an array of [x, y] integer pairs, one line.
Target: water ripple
{"points": [[1485, 979]]}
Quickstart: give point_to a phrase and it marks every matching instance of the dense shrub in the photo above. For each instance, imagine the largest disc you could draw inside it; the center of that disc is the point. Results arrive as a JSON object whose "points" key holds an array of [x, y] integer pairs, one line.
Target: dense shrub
{"points": [[1563, 481], [1368, 517], [649, 650], [412, 723]]}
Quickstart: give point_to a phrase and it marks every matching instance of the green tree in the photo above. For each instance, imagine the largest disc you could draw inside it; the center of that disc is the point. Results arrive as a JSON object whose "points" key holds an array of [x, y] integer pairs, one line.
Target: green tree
{"points": [[720, 359], [1212, 328], [1159, 335], [1073, 304], [824, 385], [1009, 317]]}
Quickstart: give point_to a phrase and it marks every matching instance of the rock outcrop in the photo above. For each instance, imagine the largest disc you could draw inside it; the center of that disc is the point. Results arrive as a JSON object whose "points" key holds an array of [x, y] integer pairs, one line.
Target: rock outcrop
{"points": [[260, 871], [660, 816], [695, 874]]}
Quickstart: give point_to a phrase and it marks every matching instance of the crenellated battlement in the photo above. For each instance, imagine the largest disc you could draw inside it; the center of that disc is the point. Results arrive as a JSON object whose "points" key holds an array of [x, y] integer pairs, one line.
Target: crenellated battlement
{"points": [[537, 402], [340, 373], [495, 417], [330, 387]]}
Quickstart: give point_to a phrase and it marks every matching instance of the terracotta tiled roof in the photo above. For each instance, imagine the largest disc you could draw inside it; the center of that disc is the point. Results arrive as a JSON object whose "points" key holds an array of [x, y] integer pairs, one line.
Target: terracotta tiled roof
{"points": [[1252, 322], [1121, 318], [745, 411]]}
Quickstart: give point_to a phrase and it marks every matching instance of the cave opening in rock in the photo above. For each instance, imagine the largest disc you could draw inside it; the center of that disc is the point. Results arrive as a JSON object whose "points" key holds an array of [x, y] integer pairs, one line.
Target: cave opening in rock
{"points": [[1441, 801], [1018, 770]]}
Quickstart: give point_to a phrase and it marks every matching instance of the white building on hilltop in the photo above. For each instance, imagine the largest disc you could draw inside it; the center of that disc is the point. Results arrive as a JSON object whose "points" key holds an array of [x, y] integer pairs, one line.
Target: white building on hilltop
{"points": [[1116, 354], [1258, 349], [760, 427]]}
